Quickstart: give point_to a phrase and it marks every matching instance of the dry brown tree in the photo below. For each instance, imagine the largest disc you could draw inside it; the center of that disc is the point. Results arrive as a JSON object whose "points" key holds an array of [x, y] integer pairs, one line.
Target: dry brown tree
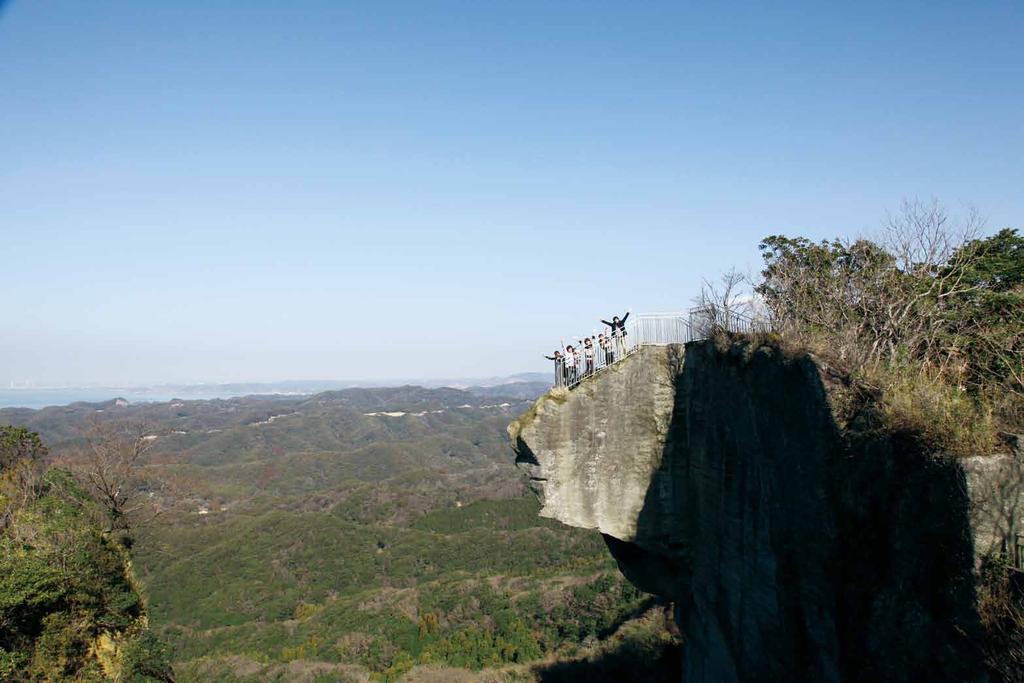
{"points": [[109, 465], [929, 269], [873, 300], [721, 305]]}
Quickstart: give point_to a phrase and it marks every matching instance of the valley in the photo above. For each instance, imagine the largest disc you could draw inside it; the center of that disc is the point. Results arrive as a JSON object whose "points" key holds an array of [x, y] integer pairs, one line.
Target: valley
{"points": [[356, 533]]}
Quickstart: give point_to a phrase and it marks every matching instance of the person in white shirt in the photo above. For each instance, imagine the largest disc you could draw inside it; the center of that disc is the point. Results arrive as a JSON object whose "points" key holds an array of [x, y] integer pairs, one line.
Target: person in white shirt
{"points": [[605, 342], [572, 364], [588, 356]]}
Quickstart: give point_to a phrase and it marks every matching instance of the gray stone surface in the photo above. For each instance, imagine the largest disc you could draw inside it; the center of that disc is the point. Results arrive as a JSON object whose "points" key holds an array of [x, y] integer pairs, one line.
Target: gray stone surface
{"points": [[792, 549], [598, 446], [996, 489]]}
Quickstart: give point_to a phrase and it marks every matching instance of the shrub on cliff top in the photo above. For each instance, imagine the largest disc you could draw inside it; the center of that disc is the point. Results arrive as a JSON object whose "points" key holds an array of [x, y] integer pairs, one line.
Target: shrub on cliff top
{"points": [[65, 586], [931, 313]]}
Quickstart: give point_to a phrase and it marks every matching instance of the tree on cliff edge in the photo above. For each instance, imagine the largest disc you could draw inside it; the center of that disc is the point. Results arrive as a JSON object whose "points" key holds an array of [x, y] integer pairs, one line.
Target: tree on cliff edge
{"points": [[109, 466], [929, 307]]}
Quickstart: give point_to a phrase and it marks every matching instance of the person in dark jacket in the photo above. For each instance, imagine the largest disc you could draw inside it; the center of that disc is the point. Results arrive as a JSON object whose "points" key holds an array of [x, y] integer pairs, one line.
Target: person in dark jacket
{"points": [[618, 332], [559, 368]]}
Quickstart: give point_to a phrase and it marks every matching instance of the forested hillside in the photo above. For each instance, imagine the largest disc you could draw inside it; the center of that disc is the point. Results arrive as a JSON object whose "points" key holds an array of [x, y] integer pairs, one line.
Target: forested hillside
{"points": [[357, 533], [70, 607]]}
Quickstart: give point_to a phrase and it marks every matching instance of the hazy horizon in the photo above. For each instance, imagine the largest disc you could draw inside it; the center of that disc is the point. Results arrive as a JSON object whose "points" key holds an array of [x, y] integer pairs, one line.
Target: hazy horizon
{"points": [[364, 381], [42, 397], [207, 192]]}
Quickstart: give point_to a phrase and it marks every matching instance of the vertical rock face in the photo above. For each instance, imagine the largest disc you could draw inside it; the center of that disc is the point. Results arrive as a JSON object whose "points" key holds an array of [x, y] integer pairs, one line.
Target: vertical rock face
{"points": [[591, 483], [793, 550]]}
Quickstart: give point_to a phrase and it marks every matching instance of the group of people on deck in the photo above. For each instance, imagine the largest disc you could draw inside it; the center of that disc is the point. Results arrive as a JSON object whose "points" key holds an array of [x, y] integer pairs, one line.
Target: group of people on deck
{"points": [[573, 363]]}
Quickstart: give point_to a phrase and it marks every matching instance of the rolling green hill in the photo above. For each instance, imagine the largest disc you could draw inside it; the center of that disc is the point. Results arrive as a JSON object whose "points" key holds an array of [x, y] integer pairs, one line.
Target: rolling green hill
{"points": [[362, 532]]}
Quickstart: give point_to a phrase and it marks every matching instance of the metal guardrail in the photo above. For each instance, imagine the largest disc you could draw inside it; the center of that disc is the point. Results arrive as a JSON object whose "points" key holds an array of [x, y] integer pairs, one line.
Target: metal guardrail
{"points": [[589, 355], [658, 329]]}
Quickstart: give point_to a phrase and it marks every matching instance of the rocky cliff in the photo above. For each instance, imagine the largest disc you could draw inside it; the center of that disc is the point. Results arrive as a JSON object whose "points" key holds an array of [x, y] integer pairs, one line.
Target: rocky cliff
{"points": [[797, 540]]}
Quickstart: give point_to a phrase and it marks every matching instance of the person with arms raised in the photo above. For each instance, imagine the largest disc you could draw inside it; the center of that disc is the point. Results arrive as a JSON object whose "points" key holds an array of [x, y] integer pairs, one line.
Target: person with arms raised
{"points": [[618, 332]]}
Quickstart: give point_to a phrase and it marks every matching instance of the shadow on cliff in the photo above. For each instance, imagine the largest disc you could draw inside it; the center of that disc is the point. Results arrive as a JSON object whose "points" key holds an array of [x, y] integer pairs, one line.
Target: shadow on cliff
{"points": [[795, 549]]}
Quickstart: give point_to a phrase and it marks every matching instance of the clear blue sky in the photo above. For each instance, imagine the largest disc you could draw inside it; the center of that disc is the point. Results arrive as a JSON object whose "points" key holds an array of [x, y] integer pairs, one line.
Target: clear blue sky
{"points": [[267, 190]]}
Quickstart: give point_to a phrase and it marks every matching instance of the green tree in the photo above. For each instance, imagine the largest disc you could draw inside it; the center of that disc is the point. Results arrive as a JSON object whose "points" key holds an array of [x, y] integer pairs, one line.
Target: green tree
{"points": [[987, 324], [17, 444], [21, 453]]}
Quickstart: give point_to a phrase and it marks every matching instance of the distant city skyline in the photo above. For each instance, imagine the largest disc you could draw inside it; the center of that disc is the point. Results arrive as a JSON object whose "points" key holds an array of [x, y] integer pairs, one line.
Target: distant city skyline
{"points": [[226, 192]]}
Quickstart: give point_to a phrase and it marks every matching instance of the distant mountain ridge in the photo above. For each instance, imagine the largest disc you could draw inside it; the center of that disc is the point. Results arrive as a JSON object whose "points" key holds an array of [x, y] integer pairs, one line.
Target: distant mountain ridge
{"points": [[191, 423], [56, 396]]}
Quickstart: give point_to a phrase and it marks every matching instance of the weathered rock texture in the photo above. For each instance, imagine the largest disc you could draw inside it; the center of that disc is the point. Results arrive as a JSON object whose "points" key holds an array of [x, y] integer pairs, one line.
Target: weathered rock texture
{"points": [[794, 550]]}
